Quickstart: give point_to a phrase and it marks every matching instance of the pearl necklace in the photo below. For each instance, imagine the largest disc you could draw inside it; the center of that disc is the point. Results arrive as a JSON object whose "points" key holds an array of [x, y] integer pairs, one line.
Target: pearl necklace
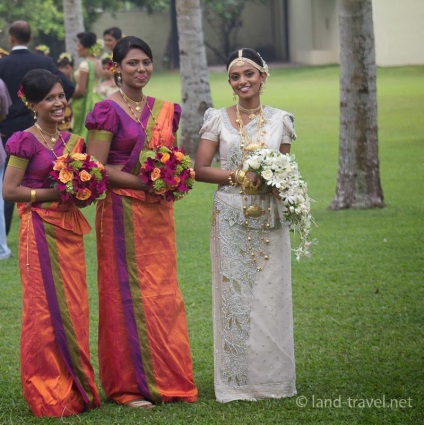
{"points": [[53, 136], [128, 99], [125, 97], [250, 112]]}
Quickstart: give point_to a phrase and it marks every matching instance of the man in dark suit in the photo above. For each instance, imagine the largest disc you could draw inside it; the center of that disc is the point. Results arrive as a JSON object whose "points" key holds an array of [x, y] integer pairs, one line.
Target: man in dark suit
{"points": [[12, 69]]}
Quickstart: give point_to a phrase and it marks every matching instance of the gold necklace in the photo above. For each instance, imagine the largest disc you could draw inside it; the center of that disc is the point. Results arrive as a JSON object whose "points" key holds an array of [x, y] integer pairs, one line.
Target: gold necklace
{"points": [[138, 119], [254, 211], [128, 99], [46, 143], [250, 112], [53, 136], [244, 136]]}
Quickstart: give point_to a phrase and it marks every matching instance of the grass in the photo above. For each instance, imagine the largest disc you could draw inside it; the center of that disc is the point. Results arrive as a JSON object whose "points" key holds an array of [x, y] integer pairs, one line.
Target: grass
{"points": [[358, 302]]}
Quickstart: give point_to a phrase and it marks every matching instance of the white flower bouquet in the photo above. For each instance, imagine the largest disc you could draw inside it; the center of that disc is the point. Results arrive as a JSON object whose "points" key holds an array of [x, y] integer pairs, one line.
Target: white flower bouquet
{"points": [[281, 171]]}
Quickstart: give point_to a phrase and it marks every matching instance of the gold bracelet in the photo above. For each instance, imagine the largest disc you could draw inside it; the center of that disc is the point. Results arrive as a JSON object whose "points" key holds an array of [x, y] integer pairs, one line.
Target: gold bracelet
{"points": [[230, 178], [33, 195], [240, 176]]}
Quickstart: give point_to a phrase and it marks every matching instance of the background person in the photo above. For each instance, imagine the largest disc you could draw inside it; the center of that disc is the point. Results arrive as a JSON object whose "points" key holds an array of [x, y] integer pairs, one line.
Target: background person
{"points": [[144, 350], [5, 103], [87, 78], [111, 36], [250, 243], [56, 373]]}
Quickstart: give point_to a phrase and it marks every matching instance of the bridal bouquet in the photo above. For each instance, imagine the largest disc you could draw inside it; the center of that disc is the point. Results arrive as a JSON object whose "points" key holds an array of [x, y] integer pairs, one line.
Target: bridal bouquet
{"points": [[79, 178], [167, 172], [280, 171]]}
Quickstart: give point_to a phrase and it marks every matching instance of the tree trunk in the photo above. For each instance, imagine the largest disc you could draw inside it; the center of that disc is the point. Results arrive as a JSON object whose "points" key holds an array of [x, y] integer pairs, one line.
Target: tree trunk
{"points": [[195, 90], [358, 182], [72, 15]]}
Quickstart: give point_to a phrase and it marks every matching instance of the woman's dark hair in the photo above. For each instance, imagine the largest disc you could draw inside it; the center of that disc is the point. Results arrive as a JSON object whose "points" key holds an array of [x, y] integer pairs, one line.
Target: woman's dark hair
{"points": [[87, 39], [114, 32], [246, 53], [37, 84], [124, 45], [64, 62]]}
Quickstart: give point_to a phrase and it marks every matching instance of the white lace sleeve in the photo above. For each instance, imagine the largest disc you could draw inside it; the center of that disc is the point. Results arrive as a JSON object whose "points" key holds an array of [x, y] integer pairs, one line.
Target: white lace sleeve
{"points": [[211, 127], [289, 133]]}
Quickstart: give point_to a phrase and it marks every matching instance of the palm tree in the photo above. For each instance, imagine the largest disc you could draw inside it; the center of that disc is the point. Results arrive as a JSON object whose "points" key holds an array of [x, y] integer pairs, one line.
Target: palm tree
{"points": [[195, 90], [72, 15], [358, 183]]}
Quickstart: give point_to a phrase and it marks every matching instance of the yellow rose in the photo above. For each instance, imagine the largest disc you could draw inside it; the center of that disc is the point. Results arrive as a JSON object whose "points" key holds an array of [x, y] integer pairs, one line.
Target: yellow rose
{"points": [[85, 194], [85, 176], [155, 174], [179, 156], [65, 175], [165, 158], [78, 156]]}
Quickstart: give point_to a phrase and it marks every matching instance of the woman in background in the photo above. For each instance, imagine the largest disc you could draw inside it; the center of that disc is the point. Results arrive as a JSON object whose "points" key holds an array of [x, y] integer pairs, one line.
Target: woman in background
{"points": [[87, 77]]}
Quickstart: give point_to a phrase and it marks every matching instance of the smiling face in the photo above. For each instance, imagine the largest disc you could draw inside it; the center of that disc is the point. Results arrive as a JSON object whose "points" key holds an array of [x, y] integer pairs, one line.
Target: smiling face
{"points": [[245, 81], [136, 69], [51, 109]]}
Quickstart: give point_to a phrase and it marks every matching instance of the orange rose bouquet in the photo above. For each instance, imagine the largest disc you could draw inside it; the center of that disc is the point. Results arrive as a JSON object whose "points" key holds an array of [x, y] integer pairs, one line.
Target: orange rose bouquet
{"points": [[79, 178], [167, 172]]}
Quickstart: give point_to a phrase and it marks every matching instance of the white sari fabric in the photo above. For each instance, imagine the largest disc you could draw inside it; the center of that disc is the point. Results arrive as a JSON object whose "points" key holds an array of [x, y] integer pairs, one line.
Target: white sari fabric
{"points": [[252, 310]]}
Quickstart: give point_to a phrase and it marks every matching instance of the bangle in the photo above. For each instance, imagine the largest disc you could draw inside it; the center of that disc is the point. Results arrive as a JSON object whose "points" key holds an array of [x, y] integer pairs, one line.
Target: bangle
{"points": [[230, 178], [240, 176], [33, 195]]}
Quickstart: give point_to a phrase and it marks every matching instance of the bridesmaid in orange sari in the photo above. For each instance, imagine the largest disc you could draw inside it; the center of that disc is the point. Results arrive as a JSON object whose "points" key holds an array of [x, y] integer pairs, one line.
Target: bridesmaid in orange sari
{"points": [[144, 350], [56, 373]]}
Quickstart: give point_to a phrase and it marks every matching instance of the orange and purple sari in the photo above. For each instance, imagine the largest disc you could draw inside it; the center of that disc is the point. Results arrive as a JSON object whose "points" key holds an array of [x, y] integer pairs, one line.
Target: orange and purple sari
{"points": [[144, 350], [56, 374]]}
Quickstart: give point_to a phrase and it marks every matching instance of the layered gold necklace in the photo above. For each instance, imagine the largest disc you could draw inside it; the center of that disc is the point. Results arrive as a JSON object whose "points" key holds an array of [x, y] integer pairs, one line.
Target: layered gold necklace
{"points": [[129, 100], [53, 136], [251, 112], [136, 117], [53, 140], [248, 145]]}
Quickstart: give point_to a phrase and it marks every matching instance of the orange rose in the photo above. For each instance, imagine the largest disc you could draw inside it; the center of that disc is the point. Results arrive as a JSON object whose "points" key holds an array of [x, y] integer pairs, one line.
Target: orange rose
{"points": [[85, 194], [177, 180], [78, 156], [85, 176], [192, 173], [165, 158], [179, 156], [59, 165], [155, 174], [65, 175]]}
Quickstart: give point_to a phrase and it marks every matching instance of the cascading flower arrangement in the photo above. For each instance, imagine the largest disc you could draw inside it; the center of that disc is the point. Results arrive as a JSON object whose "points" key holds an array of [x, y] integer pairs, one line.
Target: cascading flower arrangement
{"points": [[281, 171], [167, 172], [80, 178]]}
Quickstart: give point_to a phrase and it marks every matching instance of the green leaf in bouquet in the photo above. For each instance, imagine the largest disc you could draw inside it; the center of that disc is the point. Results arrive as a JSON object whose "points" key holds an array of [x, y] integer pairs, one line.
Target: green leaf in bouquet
{"points": [[146, 154]]}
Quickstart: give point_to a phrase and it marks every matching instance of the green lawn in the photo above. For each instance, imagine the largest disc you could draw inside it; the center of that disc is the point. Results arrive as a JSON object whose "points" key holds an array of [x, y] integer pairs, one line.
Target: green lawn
{"points": [[358, 302]]}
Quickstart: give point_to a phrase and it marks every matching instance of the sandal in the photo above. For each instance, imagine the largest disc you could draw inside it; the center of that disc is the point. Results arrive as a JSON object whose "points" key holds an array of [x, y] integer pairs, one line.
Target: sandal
{"points": [[140, 404]]}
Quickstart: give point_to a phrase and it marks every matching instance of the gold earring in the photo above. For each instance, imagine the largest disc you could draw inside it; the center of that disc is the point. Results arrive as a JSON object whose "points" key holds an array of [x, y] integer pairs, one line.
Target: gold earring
{"points": [[234, 96], [119, 77], [262, 88], [35, 114]]}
